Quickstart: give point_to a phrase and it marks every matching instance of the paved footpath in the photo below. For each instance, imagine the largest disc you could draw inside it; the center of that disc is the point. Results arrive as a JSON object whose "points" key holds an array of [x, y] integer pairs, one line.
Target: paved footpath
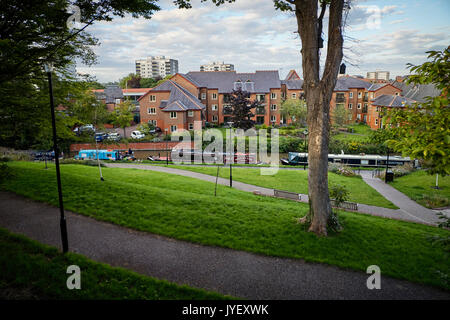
{"points": [[409, 210], [237, 273]]}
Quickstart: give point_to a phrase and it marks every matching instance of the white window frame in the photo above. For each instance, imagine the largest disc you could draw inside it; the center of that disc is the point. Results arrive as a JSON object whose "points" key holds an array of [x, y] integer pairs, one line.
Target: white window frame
{"points": [[173, 113], [294, 96], [273, 118], [190, 113], [151, 110], [152, 98], [153, 122], [376, 121], [273, 95], [191, 126], [273, 107], [350, 105], [173, 126], [350, 95], [358, 116], [359, 95], [359, 106], [203, 96], [214, 107], [215, 118], [117, 101], [214, 96]]}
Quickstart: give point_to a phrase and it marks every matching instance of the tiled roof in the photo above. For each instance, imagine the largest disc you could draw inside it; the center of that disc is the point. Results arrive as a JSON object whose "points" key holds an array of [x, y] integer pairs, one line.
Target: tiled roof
{"points": [[417, 92], [388, 100], [345, 83], [180, 99], [224, 81], [112, 93], [293, 84]]}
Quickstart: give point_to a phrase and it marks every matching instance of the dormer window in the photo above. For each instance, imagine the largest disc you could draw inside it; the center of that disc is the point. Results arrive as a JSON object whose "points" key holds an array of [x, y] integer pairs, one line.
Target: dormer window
{"points": [[238, 85]]}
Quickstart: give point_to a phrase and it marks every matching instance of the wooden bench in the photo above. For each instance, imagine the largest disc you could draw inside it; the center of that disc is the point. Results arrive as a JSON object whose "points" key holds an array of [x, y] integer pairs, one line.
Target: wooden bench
{"points": [[287, 195], [345, 205]]}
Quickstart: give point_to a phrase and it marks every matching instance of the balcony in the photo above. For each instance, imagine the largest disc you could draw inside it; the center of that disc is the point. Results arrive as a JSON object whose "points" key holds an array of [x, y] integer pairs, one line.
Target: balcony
{"points": [[340, 99], [227, 110], [260, 110]]}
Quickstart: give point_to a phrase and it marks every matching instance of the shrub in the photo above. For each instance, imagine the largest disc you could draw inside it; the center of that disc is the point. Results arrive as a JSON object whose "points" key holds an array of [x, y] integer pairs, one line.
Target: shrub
{"points": [[435, 200], [5, 171], [15, 155], [340, 194], [403, 170], [340, 169]]}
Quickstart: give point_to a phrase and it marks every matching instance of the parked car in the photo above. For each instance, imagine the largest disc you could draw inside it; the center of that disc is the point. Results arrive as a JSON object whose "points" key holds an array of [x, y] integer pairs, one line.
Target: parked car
{"points": [[42, 155], [137, 135], [113, 136], [100, 136], [85, 128], [155, 130]]}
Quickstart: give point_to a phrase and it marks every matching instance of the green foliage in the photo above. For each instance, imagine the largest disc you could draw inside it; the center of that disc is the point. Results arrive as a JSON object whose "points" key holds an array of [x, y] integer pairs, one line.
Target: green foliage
{"points": [[423, 129], [130, 81], [123, 114], [34, 32], [340, 115], [295, 110], [340, 194]]}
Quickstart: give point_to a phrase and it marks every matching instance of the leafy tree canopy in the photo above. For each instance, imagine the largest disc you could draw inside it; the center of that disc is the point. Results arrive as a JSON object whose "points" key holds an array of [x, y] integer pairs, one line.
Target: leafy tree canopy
{"points": [[423, 129]]}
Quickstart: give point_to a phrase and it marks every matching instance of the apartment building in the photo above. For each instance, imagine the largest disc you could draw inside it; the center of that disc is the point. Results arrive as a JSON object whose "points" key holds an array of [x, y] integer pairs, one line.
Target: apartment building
{"points": [[171, 107], [158, 66], [378, 75], [217, 66], [208, 98], [381, 105]]}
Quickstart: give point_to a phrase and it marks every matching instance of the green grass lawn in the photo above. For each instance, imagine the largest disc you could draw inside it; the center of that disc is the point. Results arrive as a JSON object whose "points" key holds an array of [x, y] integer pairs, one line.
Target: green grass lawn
{"points": [[297, 181], [418, 186], [360, 133], [30, 270], [186, 209]]}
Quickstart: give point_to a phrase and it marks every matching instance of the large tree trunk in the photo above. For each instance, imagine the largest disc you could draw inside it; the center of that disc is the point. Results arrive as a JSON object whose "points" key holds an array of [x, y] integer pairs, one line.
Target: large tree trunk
{"points": [[318, 95]]}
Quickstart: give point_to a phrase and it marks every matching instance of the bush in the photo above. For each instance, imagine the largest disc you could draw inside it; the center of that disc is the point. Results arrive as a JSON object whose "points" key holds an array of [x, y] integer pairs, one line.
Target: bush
{"points": [[403, 170], [340, 169], [435, 200], [5, 171], [15, 155], [339, 194]]}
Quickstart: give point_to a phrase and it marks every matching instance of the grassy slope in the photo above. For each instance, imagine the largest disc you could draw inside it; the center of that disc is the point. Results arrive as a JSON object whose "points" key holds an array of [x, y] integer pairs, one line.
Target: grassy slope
{"points": [[297, 181], [419, 183], [30, 270], [360, 133], [186, 209]]}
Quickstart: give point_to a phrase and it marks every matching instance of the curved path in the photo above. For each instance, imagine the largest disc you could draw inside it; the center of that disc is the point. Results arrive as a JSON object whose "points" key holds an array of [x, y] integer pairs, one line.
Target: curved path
{"points": [[237, 273], [409, 210]]}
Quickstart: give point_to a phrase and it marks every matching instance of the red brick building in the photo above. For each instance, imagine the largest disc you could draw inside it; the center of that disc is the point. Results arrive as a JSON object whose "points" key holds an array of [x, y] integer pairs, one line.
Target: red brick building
{"points": [[205, 96], [171, 107]]}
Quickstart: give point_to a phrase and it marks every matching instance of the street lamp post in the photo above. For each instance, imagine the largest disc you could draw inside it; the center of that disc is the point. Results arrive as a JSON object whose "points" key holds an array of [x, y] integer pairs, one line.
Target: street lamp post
{"points": [[62, 221], [306, 149], [231, 154], [167, 148]]}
